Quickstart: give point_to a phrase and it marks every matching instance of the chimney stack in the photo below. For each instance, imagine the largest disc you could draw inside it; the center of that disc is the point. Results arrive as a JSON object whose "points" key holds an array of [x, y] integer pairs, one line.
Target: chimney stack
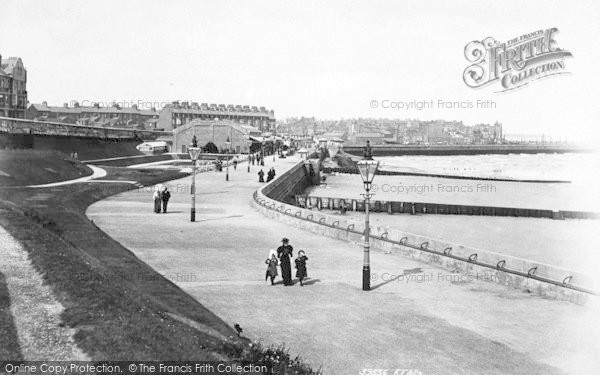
{"points": [[44, 103], [66, 105]]}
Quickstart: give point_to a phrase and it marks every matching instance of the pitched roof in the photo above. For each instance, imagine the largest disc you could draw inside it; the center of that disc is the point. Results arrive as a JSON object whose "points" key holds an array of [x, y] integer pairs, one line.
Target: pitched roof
{"points": [[91, 110], [8, 64]]}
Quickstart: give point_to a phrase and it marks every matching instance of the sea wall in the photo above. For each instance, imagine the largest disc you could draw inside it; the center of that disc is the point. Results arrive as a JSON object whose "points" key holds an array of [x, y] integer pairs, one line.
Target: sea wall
{"points": [[292, 182], [533, 277]]}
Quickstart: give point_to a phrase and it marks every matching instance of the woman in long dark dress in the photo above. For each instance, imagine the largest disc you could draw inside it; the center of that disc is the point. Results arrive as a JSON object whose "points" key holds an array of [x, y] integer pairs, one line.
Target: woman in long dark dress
{"points": [[157, 199], [285, 253], [301, 266]]}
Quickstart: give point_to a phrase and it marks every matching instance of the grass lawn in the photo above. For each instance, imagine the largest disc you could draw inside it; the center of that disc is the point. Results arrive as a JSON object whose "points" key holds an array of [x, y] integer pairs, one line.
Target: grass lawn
{"points": [[121, 308], [34, 167]]}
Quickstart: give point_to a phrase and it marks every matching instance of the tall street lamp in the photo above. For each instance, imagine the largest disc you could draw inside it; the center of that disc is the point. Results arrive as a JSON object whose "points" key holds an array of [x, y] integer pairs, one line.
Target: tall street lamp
{"points": [[194, 153], [249, 147], [227, 146], [367, 169]]}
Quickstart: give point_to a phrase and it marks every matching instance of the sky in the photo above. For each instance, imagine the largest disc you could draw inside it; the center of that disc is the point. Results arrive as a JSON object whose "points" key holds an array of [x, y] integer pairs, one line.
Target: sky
{"points": [[328, 59]]}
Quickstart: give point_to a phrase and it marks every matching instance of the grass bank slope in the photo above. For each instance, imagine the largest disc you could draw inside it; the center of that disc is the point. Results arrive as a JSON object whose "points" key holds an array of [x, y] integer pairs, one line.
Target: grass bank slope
{"points": [[34, 167], [121, 308]]}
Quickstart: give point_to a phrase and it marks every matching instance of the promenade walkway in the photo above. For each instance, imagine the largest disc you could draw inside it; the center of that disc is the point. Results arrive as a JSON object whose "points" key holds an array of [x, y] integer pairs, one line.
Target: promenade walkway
{"points": [[416, 316]]}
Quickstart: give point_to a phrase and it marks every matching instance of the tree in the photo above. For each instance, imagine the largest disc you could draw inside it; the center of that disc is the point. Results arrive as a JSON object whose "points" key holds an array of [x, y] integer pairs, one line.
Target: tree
{"points": [[210, 148]]}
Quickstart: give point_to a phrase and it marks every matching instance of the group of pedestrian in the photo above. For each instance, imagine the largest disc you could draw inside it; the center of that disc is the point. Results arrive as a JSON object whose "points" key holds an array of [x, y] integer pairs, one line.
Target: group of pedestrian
{"points": [[270, 175], [258, 159], [255, 158], [219, 165], [282, 257], [161, 199]]}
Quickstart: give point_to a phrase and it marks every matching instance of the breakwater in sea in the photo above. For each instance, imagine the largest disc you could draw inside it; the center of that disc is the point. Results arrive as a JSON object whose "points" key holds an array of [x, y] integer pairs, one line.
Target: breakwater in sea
{"points": [[398, 150]]}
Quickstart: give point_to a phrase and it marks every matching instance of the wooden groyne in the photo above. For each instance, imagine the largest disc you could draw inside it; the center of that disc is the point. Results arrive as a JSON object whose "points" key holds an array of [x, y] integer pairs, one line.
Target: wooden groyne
{"points": [[399, 150]]}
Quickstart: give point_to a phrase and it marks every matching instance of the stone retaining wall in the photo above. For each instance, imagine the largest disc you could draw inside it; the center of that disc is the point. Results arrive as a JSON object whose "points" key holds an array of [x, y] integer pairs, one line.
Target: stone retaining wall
{"points": [[538, 278]]}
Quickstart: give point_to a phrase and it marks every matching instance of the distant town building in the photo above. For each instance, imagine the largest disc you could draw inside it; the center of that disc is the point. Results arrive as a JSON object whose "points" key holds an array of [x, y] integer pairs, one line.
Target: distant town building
{"points": [[95, 115], [178, 114], [362, 138], [217, 132], [13, 87]]}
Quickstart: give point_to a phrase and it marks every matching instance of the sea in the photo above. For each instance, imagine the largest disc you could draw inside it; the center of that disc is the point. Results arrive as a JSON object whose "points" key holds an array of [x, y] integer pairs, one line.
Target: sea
{"points": [[578, 168]]}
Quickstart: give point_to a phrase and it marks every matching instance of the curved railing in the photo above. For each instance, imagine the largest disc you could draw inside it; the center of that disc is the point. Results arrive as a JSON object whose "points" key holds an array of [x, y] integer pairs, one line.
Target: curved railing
{"points": [[474, 257]]}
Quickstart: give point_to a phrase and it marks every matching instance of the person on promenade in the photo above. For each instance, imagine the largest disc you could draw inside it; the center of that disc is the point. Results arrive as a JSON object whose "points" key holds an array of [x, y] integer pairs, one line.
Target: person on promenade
{"points": [[261, 176], [272, 264], [157, 199], [271, 174], [301, 266], [343, 207], [165, 196], [284, 253], [262, 161], [235, 162]]}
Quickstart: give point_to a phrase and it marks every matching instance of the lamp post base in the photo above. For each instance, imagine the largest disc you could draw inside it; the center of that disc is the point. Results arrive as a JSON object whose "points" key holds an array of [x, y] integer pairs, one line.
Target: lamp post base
{"points": [[227, 177], [366, 278], [193, 214]]}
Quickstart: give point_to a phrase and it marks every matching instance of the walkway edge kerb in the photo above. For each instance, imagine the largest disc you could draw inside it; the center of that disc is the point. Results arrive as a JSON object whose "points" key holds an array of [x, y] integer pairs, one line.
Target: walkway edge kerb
{"points": [[535, 277]]}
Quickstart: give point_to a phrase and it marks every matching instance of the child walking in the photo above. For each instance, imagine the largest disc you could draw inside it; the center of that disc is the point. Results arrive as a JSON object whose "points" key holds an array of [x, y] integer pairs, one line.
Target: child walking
{"points": [[272, 263], [301, 266]]}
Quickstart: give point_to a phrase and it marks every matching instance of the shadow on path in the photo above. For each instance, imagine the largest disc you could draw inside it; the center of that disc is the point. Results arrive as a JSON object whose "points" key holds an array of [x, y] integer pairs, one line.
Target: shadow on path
{"points": [[404, 273], [9, 341], [311, 282]]}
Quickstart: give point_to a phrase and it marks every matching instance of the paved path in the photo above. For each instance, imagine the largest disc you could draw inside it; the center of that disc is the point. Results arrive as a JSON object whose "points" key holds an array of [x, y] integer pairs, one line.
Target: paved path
{"points": [[97, 173], [426, 318]]}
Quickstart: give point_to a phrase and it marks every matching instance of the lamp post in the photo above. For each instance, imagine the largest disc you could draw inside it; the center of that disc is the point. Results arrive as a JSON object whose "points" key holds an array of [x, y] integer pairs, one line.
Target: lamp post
{"points": [[249, 146], [367, 169], [227, 145], [194, 153]]}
